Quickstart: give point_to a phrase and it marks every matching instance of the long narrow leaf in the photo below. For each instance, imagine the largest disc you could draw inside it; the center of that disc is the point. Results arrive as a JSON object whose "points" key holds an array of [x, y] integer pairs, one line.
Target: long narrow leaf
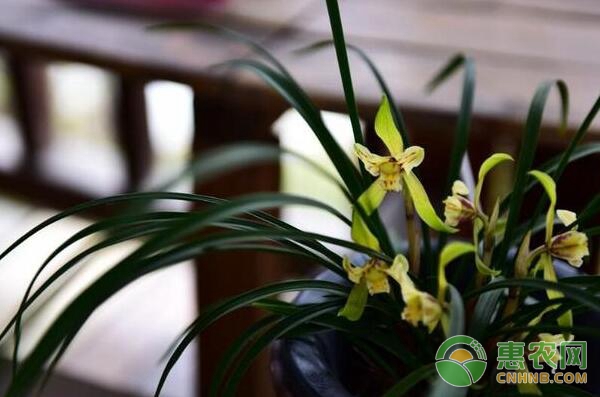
{"points": [[526, 156], [337, 31]]}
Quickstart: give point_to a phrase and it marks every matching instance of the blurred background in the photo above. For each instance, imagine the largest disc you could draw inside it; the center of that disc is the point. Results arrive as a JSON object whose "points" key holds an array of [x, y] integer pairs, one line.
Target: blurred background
{"points": [[92, 103]]}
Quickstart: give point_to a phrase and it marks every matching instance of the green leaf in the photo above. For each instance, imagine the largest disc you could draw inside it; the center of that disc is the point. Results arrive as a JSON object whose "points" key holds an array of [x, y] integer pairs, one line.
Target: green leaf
{"points": [[581, 131], [337, 30], [247, 337], [486, 167], [461, 136], [486, 309], [385, 128], [138, 264], [550, 188], [280, 329], [457, 313], [215, 312], [411, 380], [449, 253], [300, 101], [396, 114], [221, 160], [131, 231], [573, 292], [401, 126], [550, 275], [356, 303], [525, 161], [579, 331], [589, 211], [423, 205]]}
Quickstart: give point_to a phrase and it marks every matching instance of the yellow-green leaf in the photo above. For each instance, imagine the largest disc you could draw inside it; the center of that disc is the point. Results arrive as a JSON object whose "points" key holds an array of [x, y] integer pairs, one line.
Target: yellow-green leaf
{"points": [[484, 269], [566, 319], [423, 205], [522, 261], [550, 187], [386, 129], [357, 300], [449, 253], [486, 167]]}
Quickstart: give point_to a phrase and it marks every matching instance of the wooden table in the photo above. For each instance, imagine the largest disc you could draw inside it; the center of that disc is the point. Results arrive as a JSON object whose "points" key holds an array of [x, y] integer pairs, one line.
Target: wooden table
{"points": [[516, 43]]}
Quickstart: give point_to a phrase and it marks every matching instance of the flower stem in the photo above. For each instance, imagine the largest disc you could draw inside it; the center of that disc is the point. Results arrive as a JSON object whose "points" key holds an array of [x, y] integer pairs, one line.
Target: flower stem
{"points": [[414, 246]]}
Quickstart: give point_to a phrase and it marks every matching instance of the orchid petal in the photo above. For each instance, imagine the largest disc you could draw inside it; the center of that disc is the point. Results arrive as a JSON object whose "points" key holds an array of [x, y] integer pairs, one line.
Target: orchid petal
{"points": [[412, 157], [386, 129], [355, 273], [371, 161], [423, 205], [566, 217], [355, 305], [459, 188]]}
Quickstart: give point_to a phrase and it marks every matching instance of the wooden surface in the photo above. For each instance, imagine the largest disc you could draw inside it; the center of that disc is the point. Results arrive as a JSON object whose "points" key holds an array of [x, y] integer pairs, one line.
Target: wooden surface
{"points": [[516, 44]]}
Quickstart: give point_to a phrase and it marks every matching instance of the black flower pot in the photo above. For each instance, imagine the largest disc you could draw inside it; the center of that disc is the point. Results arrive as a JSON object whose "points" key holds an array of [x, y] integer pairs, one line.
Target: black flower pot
{"points": [[315, 365]]}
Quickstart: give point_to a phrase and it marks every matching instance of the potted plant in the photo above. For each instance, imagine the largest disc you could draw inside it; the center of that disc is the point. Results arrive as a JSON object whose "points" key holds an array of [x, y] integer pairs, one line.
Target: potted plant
{"points": [[395, 315]]}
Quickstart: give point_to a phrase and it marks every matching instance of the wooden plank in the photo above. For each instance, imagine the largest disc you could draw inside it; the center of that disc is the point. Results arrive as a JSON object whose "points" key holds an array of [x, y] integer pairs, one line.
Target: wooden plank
{"points": [[503, 91], [468, 29]]}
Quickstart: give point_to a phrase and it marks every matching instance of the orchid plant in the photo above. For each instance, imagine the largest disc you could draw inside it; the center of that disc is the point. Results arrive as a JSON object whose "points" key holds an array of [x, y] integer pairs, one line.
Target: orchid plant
{"points": [[398, 294]]}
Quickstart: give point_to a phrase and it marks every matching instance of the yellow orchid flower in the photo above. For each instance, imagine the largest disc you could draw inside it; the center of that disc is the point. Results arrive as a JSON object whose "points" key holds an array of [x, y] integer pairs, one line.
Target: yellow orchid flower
{"points": [[572, 245], [557, 339], [369, 279], [372, 278], [457, 207], [420, 306], [393, 172], [374, 273], [389, 169]]}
